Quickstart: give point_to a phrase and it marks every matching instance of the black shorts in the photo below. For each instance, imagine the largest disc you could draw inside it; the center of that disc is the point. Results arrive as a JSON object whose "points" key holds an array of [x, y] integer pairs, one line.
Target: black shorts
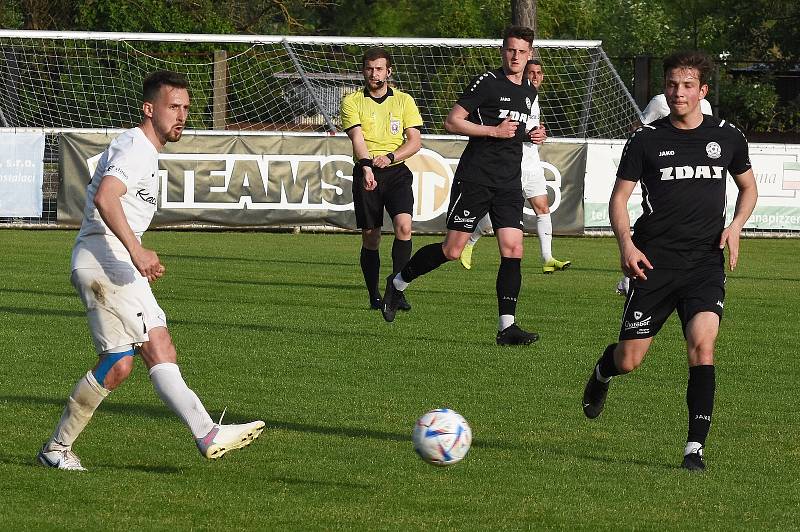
{"points": [[649, 303], [393, 193], [469, 203]]}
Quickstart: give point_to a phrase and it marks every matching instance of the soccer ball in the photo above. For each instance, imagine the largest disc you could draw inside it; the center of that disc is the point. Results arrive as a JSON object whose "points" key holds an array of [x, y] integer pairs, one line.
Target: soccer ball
{"points": [[442, 437]]}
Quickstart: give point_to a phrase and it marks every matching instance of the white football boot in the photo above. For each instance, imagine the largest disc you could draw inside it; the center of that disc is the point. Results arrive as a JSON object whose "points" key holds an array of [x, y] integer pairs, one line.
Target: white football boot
{"points": [[224, 438], [62, 458]]}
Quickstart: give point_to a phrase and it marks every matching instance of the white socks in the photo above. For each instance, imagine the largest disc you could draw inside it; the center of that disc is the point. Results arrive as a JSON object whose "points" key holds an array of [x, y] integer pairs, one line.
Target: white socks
{"points": [[505, 321], [482, 226], [693, 447], [86, 396], [172, 389], [544, 228], [399, 283]]}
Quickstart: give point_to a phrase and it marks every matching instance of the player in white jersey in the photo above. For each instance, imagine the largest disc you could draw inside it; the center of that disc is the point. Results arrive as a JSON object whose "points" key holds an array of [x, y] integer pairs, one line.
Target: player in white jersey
{"points": [[111, 271], [657, 108], [534, 186]]}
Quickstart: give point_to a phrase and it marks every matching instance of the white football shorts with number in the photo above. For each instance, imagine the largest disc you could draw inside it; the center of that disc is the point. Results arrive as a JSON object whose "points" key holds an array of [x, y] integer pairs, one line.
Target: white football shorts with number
{"points": [[120, 306]]}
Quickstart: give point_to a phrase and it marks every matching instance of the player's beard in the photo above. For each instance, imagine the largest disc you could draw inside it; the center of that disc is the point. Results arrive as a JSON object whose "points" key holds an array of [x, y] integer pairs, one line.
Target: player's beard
{"points": [[173, 135]]}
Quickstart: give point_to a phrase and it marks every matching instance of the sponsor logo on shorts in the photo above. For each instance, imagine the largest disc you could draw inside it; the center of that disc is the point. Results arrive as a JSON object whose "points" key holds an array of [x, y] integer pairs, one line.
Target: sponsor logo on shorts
{"points": [[638, 323], [464, 220]]}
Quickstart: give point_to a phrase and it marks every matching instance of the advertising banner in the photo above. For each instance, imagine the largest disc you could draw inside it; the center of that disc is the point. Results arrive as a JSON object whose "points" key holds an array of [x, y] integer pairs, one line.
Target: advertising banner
{"points": [[777, 173], [278, 180], [21, 174]]}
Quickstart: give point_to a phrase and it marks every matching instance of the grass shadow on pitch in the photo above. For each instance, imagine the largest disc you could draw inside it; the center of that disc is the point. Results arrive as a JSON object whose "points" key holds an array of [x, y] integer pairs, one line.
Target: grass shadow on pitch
{"points": [[610, 460], [55, 293], [24, 311], [318, 483]]}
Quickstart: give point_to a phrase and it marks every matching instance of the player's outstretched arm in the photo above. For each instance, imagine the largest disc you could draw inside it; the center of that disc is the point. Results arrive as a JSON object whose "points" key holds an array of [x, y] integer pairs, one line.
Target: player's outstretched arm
{"points": [[745, 203], [107, 201], [632, 260]]}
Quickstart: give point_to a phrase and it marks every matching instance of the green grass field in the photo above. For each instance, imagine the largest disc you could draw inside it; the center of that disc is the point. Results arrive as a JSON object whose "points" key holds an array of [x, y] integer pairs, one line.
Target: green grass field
{"points": [[276, 326]]}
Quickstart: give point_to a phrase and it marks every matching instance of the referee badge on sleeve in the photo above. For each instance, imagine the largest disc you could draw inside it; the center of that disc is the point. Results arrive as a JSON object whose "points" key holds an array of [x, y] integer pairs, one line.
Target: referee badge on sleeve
{"points": [[394, 126]]}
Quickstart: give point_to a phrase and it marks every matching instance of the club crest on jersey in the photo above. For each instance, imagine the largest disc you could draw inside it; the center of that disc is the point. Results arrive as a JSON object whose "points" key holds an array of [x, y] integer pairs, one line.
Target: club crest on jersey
{"points": [[713, 150], [394, 126]]}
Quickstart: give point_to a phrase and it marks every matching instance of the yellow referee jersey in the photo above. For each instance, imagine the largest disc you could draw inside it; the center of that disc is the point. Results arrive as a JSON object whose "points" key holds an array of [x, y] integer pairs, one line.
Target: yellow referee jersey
{"points": [[382, 120]]}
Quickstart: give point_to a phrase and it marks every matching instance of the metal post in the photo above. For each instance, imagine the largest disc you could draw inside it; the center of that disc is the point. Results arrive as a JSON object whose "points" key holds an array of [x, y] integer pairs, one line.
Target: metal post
{"points": [[309, 87], [220, 96]]}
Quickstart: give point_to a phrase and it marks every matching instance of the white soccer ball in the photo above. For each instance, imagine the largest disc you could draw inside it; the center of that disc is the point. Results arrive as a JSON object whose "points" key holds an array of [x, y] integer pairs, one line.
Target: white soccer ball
{"points": [[442, 437]]}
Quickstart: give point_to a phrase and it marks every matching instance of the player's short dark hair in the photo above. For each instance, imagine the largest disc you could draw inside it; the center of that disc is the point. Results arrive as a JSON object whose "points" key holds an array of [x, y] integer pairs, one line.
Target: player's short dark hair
{"points": [[533, 62], [690, 59], [376, 53], [155, 80], [518, 32]]}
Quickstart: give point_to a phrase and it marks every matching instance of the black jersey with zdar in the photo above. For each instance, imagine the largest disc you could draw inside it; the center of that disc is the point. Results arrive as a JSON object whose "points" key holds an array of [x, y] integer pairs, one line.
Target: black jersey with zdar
{"points": [[489, 99], [683, 173]]}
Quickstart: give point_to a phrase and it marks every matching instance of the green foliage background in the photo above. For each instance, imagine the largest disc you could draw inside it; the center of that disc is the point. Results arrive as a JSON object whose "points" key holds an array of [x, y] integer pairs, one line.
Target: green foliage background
{"points": [[744, 30]]}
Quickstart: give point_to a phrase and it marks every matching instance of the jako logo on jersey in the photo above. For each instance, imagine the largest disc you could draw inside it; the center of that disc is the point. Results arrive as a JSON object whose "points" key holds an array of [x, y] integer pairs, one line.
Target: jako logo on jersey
{"points": [[666, 153], [513, 115], [713, 150], [687, 172], [505, 99]]}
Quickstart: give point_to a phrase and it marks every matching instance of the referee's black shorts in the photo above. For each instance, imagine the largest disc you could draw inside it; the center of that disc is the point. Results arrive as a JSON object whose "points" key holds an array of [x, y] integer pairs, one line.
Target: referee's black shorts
{"points": [[469, 203], [689, 291], [393, 193]]}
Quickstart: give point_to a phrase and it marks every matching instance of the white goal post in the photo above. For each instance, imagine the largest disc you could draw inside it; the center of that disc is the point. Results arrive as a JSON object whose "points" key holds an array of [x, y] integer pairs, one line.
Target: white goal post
{"points": [[57, 80]]}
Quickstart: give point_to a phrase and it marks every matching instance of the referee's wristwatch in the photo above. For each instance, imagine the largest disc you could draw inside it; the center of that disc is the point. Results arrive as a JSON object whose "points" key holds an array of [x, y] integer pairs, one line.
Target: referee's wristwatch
{"points": [[390, 156]]}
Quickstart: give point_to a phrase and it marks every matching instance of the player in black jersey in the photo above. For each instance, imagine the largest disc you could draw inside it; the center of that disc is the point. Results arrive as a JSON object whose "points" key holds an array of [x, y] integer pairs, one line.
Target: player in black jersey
{"points": [[675, 256], [493, 112]]}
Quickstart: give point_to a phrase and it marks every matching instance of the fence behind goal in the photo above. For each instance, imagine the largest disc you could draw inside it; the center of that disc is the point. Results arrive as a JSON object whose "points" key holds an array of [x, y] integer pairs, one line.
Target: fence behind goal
{"points": [[58, 81]]}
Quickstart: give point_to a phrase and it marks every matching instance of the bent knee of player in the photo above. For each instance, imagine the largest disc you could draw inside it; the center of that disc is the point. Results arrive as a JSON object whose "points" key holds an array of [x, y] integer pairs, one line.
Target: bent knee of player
{"points": [[452, 252], [540, 205], [371, 238], [159, 348], [630, 354], [113, 368]]}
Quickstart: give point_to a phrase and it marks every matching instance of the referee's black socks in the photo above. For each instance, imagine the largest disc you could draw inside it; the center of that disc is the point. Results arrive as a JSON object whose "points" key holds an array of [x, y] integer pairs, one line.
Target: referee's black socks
{"points": [[371, 267], [401, 254]]}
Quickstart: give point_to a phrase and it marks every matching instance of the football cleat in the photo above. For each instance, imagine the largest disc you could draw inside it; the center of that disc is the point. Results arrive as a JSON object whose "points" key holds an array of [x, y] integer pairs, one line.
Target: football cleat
{"points": [[391, 300], [404, 304], [466, 256], [224, 438], [553, 265], [513, 335], [60, 459], [594, 396], [694, 461]]}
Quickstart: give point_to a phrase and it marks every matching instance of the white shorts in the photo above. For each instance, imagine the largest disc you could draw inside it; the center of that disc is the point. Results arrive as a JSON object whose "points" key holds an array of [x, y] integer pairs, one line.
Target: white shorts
{"points": [[120, 306], [533, 180]]}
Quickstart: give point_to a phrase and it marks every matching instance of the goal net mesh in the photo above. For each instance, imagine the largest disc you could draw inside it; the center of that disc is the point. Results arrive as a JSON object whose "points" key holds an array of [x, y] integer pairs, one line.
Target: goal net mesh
{"points": [[293, 85]]}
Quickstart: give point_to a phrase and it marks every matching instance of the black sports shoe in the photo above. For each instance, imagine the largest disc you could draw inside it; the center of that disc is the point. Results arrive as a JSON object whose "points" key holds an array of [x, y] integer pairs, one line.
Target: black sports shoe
{"points": [[404, 304], [375, 303], [513, 335], [694, 461], [594, 396], [391, 300]]}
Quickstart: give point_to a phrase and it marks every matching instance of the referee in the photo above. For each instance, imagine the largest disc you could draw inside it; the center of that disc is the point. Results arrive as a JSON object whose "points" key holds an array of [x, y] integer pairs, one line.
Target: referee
{"points": [[383, 125], [675, 255]]}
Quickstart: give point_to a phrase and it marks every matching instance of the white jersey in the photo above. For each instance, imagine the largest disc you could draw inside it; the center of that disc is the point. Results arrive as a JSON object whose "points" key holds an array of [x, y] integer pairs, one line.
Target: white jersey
{"points": [[133, 159], [658, 108], [531, 164]]}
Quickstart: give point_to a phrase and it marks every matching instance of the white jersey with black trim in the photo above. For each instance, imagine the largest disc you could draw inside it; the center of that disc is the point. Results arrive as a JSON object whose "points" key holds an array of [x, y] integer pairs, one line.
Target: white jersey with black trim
{"points": [[132, 159]]}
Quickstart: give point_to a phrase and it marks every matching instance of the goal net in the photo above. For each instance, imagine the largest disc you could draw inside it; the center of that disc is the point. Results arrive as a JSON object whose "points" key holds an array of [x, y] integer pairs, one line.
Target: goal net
{"points": [[58, 80]]}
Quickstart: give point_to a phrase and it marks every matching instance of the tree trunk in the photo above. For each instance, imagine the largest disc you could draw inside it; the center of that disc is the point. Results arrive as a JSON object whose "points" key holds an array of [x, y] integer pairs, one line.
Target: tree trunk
{"points": [[523, 13]]}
